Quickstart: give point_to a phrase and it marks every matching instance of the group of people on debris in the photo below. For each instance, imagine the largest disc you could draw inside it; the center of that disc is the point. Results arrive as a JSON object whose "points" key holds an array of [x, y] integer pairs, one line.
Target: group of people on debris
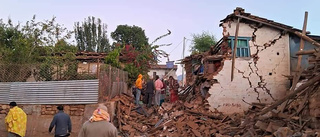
{"points": [[155, 89], [97, 126]]}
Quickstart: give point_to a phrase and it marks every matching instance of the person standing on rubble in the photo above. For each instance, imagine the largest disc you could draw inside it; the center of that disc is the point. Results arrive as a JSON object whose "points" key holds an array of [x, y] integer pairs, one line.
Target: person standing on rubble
{"points": [[138, 85], [163, 92], [149, 92], [16, 121], [174, 86], [62, 123], [159, 85], [98, 125]]}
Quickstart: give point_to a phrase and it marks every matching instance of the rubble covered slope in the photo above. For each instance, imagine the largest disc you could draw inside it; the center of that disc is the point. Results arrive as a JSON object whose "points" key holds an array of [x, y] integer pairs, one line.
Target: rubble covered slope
{"points": [[191, 116]]}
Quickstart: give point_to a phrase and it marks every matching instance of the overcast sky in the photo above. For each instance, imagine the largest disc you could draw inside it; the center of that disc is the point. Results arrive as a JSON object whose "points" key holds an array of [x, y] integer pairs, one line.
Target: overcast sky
{"points": [[182, 17]]}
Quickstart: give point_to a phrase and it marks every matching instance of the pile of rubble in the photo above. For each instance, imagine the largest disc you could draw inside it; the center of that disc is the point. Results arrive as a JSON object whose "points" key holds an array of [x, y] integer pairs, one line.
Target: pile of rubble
{"points": [[195, 119], [297, 114], [178, 119]]}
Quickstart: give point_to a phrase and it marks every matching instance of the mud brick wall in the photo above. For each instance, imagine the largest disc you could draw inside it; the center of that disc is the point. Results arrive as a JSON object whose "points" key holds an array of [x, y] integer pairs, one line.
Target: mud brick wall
{"points": [[72, 110], [4, 109]]}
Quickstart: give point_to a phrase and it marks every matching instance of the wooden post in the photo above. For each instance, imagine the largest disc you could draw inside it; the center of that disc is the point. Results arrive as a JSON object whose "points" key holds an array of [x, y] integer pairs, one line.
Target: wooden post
{"points": [[302, 40], [98, 68], [109, 81], [88, 67], [118, 85], [235, 49], [118, 115], [298, 68]]}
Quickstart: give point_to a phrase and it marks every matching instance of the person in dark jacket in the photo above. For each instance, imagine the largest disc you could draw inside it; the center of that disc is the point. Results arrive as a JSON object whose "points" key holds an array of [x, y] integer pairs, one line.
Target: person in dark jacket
{"points": [[150, 89], [62, 123]]}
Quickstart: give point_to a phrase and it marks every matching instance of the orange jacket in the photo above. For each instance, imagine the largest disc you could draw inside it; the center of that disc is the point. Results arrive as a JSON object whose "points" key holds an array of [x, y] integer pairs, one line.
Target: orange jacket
{"points": [[139, 82]]}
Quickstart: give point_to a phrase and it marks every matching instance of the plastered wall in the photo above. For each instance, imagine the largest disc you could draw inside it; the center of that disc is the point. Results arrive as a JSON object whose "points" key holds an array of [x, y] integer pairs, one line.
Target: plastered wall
{"points": [[254, 81]]}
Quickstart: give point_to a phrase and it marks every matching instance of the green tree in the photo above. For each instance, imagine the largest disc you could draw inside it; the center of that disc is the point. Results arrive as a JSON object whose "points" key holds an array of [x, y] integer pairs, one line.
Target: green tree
{"points": [[130, 35], [202, 42], [32, 42], [91, 35], [136, 61]]}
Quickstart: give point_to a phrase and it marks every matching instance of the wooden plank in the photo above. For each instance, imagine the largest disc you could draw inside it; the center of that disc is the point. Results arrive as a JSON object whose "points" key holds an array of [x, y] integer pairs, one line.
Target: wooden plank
{"points": [[306, 52], [235, 49], [118, 115], [306, 38], [302, 40], [304, 124], [291, 95], [264, 23]]}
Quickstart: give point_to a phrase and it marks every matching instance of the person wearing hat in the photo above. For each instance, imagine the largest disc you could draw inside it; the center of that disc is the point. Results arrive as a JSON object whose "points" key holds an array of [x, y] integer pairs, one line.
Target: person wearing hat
{"points": [[16, 121], [62, 123]]}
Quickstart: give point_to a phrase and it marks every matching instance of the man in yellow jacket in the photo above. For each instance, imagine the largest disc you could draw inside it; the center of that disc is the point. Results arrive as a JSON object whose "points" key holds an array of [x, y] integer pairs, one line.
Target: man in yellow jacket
{"points": [[16, 121], [138, 85]]}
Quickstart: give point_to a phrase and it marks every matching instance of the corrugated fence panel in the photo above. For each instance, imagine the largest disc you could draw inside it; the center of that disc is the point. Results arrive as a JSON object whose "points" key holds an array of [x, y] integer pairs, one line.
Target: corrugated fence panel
{"points": [[54, 92], [4, 92]]}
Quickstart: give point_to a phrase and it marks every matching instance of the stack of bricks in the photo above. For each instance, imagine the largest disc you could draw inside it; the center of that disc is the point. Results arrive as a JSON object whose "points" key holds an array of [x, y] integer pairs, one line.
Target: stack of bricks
{"points": [[4, 109], [72, 110]]}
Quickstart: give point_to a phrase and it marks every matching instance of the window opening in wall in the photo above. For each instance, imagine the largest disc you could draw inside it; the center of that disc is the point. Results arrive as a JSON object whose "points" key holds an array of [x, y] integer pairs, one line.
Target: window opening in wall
{"points": [[243, 48]]}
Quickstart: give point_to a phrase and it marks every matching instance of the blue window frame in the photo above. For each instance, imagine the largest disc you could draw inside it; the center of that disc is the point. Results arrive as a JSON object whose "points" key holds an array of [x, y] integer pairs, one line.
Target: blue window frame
{"points": [[243, 48]]}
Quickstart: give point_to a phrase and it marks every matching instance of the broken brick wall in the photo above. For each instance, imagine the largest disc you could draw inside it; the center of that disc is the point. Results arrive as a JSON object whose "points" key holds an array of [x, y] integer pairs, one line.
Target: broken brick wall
{"points": [[259, 78]]}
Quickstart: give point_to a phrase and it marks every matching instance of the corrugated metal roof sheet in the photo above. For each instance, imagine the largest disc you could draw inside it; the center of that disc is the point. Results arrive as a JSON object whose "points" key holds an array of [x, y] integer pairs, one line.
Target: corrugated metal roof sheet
{"points": [[4, 93], [51, 92]]}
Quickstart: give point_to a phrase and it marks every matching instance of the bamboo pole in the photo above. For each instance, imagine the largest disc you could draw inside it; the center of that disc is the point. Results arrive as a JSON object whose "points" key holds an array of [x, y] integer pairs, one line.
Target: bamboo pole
{"points": [[302, 40], [235, 49]]}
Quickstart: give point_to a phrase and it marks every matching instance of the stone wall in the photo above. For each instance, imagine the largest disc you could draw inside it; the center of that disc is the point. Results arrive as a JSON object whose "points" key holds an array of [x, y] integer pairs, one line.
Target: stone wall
{"points": [[72, 110], [4, 109]]}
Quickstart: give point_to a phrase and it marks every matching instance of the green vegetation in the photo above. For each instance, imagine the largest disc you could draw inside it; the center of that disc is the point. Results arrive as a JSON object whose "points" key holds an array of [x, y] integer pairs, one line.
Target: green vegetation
{"points": [[202, 42], [130, 35], [91, 35], [47, 44]]}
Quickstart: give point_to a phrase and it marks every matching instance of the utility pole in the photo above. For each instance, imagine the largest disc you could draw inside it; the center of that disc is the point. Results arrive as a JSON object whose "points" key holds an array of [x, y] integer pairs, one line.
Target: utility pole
{"points": [[184, 45]]}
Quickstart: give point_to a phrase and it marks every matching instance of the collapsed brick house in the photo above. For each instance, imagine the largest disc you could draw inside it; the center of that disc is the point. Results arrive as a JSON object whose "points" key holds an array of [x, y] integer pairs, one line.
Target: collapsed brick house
{"points": [[265, 60]]}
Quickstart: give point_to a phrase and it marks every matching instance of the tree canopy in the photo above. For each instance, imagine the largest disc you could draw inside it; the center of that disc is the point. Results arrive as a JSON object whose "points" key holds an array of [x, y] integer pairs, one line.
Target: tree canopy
{"points": [[47, 45], [26, 43], [136, 59], [130, 35], [202, 42], [91, 35], [32, 43]]}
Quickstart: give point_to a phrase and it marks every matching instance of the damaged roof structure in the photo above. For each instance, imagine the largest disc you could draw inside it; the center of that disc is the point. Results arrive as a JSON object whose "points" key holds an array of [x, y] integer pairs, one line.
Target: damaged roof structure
{"points": [[268, 85]]}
